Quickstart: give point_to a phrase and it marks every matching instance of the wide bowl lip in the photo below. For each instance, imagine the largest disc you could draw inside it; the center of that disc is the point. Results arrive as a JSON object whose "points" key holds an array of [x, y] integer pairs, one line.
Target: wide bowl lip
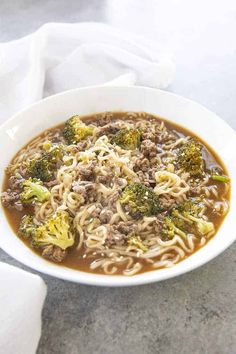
{"points": [[112, 280]]}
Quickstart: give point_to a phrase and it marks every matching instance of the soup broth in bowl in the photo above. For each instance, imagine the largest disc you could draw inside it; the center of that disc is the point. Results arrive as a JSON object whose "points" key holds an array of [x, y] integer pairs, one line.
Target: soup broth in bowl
{"points": [[116, 193]]}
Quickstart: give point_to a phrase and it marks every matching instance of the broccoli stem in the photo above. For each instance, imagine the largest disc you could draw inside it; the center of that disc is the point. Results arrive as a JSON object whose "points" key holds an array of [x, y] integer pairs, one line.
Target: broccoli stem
{"points": [[180, 233], [223, 179]]}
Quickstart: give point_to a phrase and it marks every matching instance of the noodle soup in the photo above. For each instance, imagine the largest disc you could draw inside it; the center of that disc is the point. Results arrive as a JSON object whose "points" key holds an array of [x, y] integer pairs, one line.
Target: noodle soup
{"points": [[116, 193]]}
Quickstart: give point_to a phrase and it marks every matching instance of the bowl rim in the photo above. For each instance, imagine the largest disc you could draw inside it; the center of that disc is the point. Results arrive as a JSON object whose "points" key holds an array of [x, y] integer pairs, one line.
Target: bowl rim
{"points": [[112, 280]]}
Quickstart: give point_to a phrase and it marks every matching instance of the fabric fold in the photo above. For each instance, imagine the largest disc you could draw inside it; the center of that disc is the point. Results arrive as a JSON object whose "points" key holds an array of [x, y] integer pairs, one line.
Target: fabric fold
{"points": [[61, 57]]}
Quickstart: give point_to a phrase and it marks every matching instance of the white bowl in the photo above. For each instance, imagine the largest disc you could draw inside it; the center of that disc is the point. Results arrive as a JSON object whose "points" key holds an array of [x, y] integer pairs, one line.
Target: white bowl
{"points": [[47, 113]]}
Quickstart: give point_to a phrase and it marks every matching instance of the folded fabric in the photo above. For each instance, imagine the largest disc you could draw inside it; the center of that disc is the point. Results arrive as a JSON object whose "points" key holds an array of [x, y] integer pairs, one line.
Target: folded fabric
{"points": [[22, 296], [60, 57]]}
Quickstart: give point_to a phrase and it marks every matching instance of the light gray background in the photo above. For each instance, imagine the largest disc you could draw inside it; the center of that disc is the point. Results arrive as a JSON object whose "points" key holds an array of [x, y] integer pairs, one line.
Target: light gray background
{"points": [[195, 313]]}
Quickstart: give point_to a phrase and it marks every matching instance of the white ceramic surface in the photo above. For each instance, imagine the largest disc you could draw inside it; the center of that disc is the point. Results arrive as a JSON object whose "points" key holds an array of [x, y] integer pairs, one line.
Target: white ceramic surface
{"points": [[55, 109]]}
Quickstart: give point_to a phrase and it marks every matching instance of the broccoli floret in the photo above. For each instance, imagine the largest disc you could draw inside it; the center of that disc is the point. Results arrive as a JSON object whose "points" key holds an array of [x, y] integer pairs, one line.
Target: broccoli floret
{"points": [[128, 139], [190, 211], [55, 154], [203, 226], [190, 206], [27, 227], [189, 158], [44, 167], [41, 169], [57, 230], [34, 191], [140, 200], [170, 229], [137, 242], [185, 219], [75, 130]]}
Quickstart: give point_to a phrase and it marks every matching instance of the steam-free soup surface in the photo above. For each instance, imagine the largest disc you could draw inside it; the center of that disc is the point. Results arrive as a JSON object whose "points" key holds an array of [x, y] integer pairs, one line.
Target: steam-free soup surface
{"points": [[124, 193]]}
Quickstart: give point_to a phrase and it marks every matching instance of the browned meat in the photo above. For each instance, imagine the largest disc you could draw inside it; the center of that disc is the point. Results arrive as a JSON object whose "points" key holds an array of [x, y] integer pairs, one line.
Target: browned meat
{"points": [[11, 199], [126, 228], [54, 253], [146, 178], [82, 146], [148, 148], [108, 129], [15, 183], [83, 187], [150, 135], [57, 137], [86, 189], [146, 168], [167, 203], [86, 172], [105, 216], [142, 164], [105, 179], [156, 134], [114, 237], [118, 234], [51, 183], [102, 179]]}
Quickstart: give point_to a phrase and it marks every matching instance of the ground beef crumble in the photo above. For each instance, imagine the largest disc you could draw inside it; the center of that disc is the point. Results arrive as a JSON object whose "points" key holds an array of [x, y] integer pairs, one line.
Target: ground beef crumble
{"points": [[118, 234], [148, 148], [86, 189], [11, 197], [86, 172], [54, 253]]}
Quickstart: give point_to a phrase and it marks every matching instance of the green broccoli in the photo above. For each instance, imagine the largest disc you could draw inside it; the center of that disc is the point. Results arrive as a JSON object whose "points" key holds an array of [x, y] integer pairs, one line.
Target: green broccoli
{"points": [[128, 139], [190, 206], [189, 158], [169, 229], [34, 191], [55, 153], [189, 211], [185, 219], [203, 226], [57, 230], [140, 200], [137, 242], [27, 227], [41, 169], [220, 178], [75, 130], [45, 166]]}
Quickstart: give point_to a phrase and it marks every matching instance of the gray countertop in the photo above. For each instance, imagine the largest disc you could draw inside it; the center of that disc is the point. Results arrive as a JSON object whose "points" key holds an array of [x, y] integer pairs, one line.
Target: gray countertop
{"points": [[194, 313]]}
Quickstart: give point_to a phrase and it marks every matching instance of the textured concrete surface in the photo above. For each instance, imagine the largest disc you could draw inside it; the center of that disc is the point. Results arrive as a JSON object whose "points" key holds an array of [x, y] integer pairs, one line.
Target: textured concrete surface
{"points": [[195, 313]]}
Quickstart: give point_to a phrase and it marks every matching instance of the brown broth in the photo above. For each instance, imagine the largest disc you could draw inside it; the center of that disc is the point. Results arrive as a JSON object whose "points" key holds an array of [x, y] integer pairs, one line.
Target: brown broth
{"points": [[74, 259]]}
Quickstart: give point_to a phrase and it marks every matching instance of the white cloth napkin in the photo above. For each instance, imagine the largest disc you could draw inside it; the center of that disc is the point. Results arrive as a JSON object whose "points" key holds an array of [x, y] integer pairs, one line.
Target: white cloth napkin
{"points": [[22, 296], [55, 58], [61, 56]]}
